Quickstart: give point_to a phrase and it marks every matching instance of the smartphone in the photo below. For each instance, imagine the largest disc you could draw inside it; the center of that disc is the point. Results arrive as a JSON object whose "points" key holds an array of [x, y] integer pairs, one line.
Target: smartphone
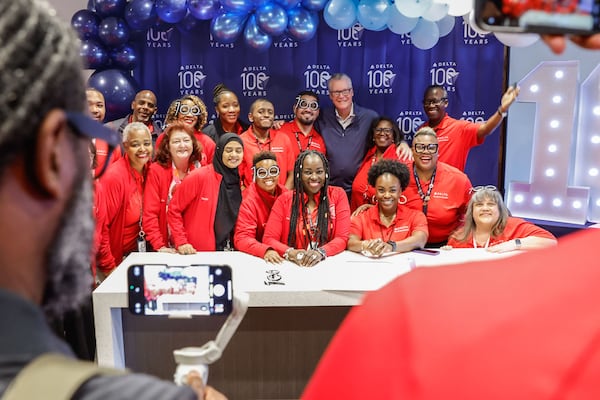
{"points": [[539, 16], [158, 289], [431, 252]]}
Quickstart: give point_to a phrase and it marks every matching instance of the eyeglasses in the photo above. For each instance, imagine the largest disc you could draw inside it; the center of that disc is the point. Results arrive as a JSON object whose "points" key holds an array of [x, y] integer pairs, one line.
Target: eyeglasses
{"points": [[184, 109], [426, 148], [263, 173], [434, 102], [384, 131], [302, 103], [340, 93], [486, 187]]}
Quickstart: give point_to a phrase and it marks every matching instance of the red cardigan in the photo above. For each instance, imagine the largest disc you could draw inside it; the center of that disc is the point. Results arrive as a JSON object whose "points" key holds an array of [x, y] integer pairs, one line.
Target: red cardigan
{"points": [[251, 221], [278, 225], [191, 214]]}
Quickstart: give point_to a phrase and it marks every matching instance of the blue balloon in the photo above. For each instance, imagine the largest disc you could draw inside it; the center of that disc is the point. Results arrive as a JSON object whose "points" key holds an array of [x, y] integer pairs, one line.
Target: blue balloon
{"points": [[140, 14], [272, 19], [118, 88], [237, 6], [110, 8], [340, 14], [256, 38], [204, 9], [91, 5], [302, 24], [85, 23], [373, 14], [188, 24], [94, 55], [227, 27], [123, 57], [172, 11], [313, 5], [287, 4], [113, 31]]}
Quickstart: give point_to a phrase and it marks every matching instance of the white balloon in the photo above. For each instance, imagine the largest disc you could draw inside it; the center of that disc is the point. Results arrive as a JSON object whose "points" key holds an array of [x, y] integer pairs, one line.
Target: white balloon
{"points": [[459, 7], [517, 39], [470, 19], [436, 12], [413, 8], [425, 35], [400, 23], [446, 25]]}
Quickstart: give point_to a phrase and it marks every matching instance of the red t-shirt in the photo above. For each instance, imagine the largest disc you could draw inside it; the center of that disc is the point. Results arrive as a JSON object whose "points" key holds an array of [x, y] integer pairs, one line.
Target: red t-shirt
{"points": [[367, 225]]}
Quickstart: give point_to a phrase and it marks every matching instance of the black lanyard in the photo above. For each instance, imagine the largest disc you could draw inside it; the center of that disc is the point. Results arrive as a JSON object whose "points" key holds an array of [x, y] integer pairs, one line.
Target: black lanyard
{"points": [[259, 144], [300, 145], [424, 197]]}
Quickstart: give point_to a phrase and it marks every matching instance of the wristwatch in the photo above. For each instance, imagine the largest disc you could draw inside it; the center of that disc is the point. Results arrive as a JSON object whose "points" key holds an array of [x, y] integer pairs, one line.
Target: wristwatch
{"points": [[518, 244], [502, 114], [393, 244]]}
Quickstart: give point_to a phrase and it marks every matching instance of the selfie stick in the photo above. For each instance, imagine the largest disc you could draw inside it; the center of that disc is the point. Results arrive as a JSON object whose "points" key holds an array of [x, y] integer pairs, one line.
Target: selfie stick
{"points": [[198, 358]]}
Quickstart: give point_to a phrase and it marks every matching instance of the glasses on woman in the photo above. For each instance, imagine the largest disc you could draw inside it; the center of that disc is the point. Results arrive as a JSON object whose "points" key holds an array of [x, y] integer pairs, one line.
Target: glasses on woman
{"points": [[184, 109], [263, 173], [426, 148], [486, 187], [302, 103], [384, 131]]}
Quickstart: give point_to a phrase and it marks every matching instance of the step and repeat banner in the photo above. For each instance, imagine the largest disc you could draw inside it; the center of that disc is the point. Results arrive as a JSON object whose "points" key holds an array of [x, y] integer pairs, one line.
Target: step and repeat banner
{"points": [[389, 74]]}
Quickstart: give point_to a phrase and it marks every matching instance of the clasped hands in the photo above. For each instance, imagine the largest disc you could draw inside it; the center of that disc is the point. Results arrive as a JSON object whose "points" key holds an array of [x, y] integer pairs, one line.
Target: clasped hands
{"points": [[375, 247]]}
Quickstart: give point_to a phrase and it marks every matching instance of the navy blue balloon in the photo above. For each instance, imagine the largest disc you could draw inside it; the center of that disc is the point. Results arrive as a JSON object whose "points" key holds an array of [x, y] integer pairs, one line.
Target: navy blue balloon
{"points": [[113, 31], [94, 55], [272, 19], [314, 5], [118, 88], [189, 24], [123, 57], [110, 8], [171, 11], [85, 23], [227, 27], [255, 37], [140, 14], [204, 9], [302, 24], [237, 6]]}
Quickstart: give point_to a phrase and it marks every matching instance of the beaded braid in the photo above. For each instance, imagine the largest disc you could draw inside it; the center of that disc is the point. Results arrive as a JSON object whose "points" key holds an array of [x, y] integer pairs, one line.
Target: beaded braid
{"points": [[299, 204], [39, 59]]}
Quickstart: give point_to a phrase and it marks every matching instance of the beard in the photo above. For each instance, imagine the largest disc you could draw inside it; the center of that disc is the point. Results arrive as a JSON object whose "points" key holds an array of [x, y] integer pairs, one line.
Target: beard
{"points": [[68, 259]]}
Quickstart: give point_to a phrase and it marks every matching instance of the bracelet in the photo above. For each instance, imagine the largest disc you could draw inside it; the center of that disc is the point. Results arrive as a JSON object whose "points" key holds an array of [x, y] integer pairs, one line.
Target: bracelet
{"points": [[322, 252], [502, 114]]}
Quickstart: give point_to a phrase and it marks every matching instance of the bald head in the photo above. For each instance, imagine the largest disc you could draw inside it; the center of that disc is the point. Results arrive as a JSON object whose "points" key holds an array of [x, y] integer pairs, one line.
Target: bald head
{"points": [[143, 106]]}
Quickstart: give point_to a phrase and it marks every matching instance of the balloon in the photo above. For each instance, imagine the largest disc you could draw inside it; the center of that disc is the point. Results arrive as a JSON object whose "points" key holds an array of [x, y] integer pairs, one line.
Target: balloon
{"points": [[340, 14], [373, 14], [446, 25], [110, 8], [94, 54], [91, 5], [140, 14], [413, 8], [436, 12], [517, 39], [287, 4], [188, 24], [470, 19], [227, 27], [400, 23], [85, 23], [313, 5], [123, 57], [254, 37], [425, 35], [113, 31], [302, 24], [118, 88], [458, 8], [272, 19], [204, 9], [171, 11], [237, 6]]}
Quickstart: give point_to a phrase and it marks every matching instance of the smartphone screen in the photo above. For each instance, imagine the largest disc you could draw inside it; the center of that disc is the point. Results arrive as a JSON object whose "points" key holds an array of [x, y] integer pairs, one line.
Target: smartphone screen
{"points": [[156, 289], [547, 16]]}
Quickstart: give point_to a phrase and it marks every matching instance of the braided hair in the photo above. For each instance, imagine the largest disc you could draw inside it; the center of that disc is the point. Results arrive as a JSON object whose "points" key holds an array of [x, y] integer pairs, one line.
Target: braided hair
{"points": [[40, 69], [299, 202]]}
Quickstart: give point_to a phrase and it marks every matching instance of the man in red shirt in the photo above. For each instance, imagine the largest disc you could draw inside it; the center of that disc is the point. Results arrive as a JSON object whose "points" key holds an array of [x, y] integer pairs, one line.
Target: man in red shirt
{"points": [[301, 129], [259, 137], [456, 137]]}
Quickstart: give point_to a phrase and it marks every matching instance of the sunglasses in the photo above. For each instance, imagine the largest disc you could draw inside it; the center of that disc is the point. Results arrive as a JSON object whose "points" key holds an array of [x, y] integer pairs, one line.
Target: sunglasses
{"points": [[302, 103]]}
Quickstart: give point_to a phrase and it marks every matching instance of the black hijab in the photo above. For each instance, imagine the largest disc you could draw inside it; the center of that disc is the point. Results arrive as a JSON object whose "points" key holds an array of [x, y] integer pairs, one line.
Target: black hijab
{"points": [[230, 194]]}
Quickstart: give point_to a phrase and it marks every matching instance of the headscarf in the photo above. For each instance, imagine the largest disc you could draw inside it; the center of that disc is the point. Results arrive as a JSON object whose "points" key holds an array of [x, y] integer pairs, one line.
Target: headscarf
{"points": [[230, 194]]}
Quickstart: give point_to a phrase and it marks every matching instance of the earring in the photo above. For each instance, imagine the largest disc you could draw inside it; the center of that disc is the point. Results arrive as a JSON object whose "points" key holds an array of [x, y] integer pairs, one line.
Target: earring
{"points": [[402, 199]]}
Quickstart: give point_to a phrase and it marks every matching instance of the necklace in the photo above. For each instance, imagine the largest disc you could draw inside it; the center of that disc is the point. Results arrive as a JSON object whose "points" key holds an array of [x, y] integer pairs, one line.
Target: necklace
{"points": [[424, 197], [485, 246]]}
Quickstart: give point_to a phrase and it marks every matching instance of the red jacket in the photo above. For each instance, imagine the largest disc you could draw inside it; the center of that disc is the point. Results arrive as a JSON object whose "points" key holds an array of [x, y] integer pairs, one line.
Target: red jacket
{"points": [[278, 225], [191, 214], [252, 219], [117, 186]]}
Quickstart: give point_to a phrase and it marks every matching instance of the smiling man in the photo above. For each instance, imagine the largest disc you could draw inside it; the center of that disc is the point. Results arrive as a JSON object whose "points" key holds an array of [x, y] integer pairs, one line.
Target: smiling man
{"points": [[143, 108]]}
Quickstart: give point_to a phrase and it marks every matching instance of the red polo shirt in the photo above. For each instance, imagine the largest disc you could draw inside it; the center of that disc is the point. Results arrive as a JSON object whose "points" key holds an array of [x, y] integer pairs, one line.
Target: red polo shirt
{"points": [[367, 225]]}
